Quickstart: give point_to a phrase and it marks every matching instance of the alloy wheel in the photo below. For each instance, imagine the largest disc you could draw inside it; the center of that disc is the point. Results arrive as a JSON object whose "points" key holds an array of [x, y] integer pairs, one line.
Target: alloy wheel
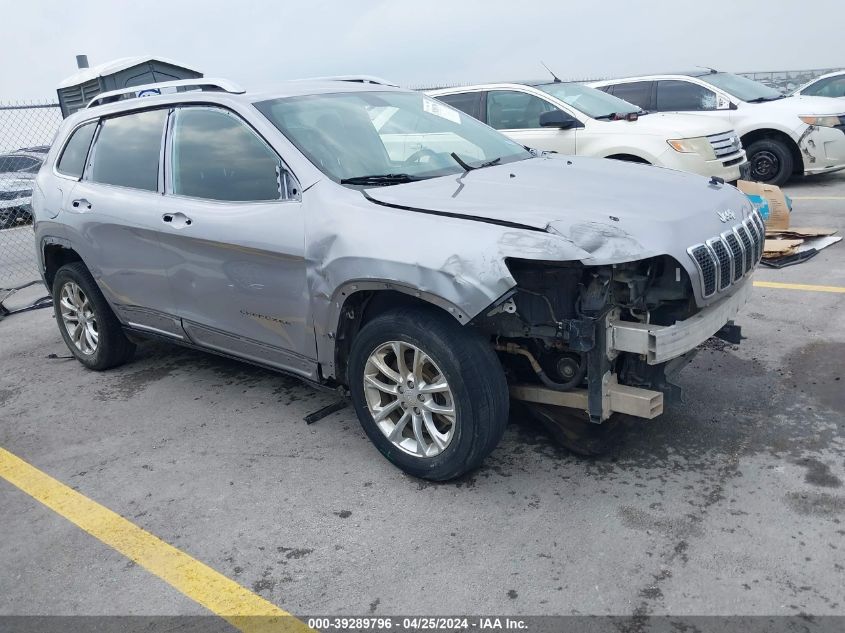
{"points": [[410, 399], [78, 318]]}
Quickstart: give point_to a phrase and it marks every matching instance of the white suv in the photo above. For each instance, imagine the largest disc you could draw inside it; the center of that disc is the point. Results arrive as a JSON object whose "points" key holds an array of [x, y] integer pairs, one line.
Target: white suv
{"points": [[572, 118], [782, 135]]}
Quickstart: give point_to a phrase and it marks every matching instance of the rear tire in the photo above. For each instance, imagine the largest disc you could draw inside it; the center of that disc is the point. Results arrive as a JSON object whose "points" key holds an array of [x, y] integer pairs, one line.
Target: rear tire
{"points": [[770, 161], [423, 442], [87, 324]]}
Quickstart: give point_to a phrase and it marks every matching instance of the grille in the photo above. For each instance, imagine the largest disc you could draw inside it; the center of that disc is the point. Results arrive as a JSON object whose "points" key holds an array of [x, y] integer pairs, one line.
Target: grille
{"points": [[723, 256], [723, 260], [706, 262], [725, 144], [747, 244], [736, 252]]}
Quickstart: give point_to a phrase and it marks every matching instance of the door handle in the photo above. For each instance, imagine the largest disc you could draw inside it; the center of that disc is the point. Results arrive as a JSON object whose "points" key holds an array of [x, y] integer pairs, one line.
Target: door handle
{"points": [[177, 220], [81, 202]]}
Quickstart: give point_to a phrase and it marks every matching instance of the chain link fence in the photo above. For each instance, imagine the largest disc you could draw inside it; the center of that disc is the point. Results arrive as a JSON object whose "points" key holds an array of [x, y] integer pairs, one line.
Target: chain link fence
{"points": [[26, 131]]}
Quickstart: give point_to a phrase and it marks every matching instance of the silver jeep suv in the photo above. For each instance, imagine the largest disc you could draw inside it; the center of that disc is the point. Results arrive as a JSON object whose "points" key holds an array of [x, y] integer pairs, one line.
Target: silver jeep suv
{"points": [[376, 241]]}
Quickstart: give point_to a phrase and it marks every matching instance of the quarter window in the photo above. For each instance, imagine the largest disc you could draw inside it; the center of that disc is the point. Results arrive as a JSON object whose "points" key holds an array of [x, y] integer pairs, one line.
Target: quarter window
{"points": [[684, 96], [217, 157], [72, 161], [128, 149], [636, 92], [512, 110]]}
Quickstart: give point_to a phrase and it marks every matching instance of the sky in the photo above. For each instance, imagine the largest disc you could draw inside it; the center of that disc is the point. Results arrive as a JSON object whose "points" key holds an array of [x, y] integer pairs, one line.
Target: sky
{"points": [[415, 43]]}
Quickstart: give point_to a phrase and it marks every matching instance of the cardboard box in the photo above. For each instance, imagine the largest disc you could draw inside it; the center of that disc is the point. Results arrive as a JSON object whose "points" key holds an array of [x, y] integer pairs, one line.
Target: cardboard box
{"points": [[771, 201]]}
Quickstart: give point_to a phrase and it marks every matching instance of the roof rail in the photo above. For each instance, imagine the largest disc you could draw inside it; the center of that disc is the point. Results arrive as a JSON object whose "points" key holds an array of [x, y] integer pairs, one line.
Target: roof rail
{"points": [[166, 87], [361, 79]]}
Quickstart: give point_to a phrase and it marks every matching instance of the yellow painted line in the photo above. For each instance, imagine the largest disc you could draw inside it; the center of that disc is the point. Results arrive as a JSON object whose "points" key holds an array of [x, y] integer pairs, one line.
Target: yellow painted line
{"points": [[812, 288], [237, 605], [817, 197]]}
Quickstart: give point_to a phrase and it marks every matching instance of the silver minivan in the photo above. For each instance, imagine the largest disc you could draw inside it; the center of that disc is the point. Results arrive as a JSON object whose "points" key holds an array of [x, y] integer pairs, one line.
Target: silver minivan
{"points": [[378, 242]]}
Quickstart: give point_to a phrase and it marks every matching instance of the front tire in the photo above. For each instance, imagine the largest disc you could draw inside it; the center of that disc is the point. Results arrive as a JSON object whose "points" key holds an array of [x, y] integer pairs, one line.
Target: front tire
{"points": [[770, 161], [430, 393], [87, 324]]}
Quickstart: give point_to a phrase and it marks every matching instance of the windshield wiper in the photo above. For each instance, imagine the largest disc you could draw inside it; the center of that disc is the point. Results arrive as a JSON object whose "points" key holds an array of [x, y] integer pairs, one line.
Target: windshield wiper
{"points": [[762, 99], [468, 167], [379, 179]]}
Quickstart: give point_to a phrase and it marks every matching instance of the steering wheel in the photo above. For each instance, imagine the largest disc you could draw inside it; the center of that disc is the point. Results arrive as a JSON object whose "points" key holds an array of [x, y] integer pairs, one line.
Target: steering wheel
{"points": [[417, 156]]}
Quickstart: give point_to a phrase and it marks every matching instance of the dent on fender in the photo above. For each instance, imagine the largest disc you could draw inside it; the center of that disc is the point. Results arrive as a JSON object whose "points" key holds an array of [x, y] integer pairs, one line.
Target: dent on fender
{"points": [[807, 144]]}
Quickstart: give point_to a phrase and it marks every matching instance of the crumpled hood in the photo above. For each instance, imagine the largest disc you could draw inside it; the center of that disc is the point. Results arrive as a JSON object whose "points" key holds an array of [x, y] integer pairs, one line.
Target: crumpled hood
{"points": [[611, 210]]}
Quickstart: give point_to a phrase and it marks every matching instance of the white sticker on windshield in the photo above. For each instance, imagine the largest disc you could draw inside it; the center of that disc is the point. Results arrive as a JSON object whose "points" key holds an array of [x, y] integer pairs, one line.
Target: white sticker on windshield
{"points": [[443, 111]]}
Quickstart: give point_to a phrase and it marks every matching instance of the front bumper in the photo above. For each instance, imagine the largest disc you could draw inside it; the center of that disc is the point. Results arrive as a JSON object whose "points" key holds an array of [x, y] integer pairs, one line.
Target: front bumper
{"points": [[661, 343], [696, 164], [656, 344], [823, 149]]}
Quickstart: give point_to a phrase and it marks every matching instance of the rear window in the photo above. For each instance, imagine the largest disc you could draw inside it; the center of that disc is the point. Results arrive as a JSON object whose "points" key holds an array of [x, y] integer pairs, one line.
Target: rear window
{"points": [[128, 150], [72, 161]]}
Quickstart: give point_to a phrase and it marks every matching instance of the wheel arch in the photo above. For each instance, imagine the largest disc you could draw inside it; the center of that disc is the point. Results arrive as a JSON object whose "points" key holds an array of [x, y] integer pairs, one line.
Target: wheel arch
{"points": [[357, 303], [774, 134], [55, 253]]}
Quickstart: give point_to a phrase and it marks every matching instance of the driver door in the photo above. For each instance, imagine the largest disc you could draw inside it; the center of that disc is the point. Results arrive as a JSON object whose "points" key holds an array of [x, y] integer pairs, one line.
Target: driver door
{"points": [[233, 233], [517, 115]]}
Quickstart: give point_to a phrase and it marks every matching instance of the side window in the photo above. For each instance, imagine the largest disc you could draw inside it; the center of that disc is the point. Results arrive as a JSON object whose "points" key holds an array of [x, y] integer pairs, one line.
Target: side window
{"points": [[10, 163], [683, 96], [127, 150], [30, 165], [72, 160], [511, 110], [830, 87], [636, 92], [467, 102], [217, 157]]}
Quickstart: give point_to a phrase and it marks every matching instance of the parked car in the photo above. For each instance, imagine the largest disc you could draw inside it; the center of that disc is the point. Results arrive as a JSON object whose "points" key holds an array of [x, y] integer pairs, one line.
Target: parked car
{"points": [[783, 136], [292, 230], [15, 201], [17, 171], [829, 85], [572, 118]]}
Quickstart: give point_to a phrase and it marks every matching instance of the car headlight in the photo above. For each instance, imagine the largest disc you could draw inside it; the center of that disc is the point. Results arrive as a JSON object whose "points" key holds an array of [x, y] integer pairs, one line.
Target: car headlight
{"points": [[23, 193], [698, 145], [821, 121]]}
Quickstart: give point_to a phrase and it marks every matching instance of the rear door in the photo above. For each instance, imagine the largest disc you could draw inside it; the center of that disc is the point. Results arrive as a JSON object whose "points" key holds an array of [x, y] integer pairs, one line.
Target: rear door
{"points": [[517, 114], [114, 219], [234, 241]]}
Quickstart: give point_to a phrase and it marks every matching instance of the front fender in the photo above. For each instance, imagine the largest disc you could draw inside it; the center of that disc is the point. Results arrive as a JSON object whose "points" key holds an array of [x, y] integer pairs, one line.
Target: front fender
{"points": [[458, 264]]}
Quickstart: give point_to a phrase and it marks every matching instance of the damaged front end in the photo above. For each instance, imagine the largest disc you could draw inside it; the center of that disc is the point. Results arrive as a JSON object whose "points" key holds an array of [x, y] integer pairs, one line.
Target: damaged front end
{"points": [[602, 339]]}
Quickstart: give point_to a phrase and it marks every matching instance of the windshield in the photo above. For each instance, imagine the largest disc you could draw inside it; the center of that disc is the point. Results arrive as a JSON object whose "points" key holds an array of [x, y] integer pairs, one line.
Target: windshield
{"points": [[592, 102], [742, 88], [382, 138]]}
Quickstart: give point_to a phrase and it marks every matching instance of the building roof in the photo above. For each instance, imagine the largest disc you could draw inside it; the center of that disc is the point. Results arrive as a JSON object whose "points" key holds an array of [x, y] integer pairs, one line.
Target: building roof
{"points": [[116, 65]]}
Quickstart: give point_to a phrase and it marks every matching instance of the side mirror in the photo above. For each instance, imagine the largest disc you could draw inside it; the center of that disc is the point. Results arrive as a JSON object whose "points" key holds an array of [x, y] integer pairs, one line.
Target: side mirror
{"points": [[558, 119]]}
